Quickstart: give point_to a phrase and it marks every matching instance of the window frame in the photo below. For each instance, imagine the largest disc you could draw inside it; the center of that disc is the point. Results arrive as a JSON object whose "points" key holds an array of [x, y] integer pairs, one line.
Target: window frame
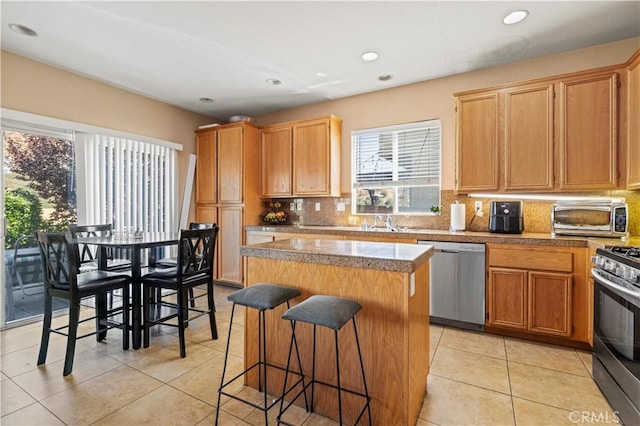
{"points": [[395, 183]]}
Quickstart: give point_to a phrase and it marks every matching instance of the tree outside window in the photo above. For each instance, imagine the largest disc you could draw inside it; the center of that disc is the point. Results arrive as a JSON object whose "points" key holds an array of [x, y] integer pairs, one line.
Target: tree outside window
{"points": [[40, 184]]}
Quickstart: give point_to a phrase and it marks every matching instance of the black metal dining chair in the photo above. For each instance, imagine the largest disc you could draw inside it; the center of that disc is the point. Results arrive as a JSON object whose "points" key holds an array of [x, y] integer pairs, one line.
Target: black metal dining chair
{"points": [[88, 253], [196, 250], [59, 255], [172, 262]]}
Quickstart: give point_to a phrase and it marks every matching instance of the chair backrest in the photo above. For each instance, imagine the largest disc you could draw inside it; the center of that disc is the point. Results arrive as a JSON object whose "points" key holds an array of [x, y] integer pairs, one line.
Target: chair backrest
{"points": [[89, 252], [59, 258], [195, 251]]}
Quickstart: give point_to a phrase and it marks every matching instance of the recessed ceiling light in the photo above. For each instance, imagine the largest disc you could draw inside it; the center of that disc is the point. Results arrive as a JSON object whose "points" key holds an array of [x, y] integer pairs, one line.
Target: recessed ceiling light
{"points": [[273, 81], [385, 77], [206, 100], [321, 74], [515, 17], [369, 56], [21, 29]]}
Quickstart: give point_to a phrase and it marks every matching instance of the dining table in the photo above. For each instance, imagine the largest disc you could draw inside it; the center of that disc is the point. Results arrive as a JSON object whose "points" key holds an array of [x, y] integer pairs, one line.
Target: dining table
{"points": [[135, 244]]}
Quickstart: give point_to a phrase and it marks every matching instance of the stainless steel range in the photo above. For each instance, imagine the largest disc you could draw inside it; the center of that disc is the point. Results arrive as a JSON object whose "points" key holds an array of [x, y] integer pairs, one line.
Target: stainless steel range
{"points": [[616, 329]]}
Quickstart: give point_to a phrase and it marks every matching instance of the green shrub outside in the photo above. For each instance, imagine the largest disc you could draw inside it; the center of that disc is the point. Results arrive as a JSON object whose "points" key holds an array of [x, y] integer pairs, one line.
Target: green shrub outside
{"points": [[23, 210]]}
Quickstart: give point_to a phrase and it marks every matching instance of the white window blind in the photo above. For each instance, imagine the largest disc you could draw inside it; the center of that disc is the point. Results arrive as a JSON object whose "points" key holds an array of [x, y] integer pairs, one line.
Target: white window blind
{"points": [[129, 183], [404, 155]]}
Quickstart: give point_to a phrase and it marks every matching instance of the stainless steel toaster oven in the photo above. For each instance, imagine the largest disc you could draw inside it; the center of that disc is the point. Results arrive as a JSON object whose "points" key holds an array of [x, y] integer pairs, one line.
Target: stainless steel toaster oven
{"points": [[590, 219]]}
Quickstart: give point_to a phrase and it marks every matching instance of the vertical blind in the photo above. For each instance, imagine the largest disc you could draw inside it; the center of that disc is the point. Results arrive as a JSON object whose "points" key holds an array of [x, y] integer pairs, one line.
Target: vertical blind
{"points": [[403, 155], [129, 183]]}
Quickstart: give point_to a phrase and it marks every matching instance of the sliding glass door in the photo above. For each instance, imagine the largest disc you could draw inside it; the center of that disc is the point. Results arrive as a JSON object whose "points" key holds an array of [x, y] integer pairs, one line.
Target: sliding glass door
{"points": [[54, 177], [39, 194]]}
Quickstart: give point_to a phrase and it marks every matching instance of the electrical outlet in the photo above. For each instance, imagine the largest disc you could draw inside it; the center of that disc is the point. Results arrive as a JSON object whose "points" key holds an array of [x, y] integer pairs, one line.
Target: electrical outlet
{"points": [[478, 209], [292, 206], [317, 207], [340, 207]]}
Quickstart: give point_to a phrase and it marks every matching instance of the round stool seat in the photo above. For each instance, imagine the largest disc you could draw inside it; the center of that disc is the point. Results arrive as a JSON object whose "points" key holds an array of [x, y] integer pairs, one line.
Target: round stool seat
{"points": [[327, 311], [263, 296]]}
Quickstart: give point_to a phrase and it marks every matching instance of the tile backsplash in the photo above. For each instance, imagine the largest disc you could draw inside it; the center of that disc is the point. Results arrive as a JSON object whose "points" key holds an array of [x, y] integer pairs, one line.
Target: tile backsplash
{"points": [[537, 214]]}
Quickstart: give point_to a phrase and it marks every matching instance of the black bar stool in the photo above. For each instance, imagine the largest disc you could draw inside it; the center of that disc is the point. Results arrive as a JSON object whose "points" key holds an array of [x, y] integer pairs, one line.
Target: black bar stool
{"points": [[260, 297], [332, 312]]}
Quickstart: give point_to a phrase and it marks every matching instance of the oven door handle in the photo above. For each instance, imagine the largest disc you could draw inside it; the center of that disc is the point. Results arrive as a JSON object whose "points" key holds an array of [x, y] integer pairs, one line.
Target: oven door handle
{"points": [[614, 286]]}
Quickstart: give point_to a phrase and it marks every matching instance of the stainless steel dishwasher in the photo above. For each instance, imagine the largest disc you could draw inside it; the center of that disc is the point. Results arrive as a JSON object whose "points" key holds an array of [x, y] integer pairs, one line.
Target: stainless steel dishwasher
{"points": [[457, 284]]}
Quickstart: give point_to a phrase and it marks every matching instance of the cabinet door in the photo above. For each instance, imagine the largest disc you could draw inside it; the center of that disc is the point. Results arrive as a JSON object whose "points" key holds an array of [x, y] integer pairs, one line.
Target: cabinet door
{"points": [[588, 133], [633, 119], [550, 301], [228, 245], [507, 298], [276, 161], [230, 165], [312, 158], [477, 143], [529, 138], [209, 214], [206, 170]]}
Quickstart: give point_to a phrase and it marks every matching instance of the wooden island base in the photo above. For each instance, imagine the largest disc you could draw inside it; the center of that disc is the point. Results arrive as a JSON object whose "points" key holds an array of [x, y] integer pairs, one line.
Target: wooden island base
{"points": [[393, 328]]}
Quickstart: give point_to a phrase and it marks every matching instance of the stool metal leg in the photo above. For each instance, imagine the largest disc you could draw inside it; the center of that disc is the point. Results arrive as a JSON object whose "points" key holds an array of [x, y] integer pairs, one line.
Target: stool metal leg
{"points": [[224, 365], [293, 343], [335, 334], [261, 321], [364, 380], [313, 369]]}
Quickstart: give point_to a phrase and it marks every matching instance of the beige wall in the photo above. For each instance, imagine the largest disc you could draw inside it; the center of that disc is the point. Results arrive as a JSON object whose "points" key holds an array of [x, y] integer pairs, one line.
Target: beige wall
{"points": [[34, 87], [433, 99]]}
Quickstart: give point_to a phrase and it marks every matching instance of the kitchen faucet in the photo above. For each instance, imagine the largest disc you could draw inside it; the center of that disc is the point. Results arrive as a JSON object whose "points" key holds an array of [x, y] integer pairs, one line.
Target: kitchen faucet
{"points": [[388, 221]]}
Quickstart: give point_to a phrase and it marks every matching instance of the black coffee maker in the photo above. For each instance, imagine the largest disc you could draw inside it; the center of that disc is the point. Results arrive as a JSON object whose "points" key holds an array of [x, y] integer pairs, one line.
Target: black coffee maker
{"points": [[506, 217]]}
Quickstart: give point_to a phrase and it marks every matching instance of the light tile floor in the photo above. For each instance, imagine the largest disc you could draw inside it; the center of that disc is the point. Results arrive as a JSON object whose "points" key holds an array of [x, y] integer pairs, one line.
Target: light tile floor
{"points": [[475, 379]]}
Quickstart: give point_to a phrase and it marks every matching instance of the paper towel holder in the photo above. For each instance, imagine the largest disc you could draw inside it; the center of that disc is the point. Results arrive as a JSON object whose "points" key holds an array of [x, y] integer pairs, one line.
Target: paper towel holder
{"points": [[457, 220]]}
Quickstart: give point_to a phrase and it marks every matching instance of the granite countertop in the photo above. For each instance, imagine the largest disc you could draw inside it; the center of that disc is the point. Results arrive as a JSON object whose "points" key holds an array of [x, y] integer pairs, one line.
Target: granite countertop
{"points": [[357, 254], [441, 235]]}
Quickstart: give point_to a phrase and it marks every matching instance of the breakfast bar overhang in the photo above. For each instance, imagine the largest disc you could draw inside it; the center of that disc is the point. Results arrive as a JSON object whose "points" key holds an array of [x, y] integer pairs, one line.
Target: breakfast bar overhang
{"points": [[390, 281]]}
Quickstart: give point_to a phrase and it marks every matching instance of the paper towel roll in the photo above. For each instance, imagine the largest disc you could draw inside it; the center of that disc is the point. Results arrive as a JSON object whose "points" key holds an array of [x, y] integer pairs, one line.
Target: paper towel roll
{"points": [[457, 217]]}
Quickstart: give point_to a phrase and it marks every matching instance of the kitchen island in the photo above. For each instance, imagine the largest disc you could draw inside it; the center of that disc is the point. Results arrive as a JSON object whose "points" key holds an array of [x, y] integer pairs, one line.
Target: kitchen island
{"points": [[390, 281]]}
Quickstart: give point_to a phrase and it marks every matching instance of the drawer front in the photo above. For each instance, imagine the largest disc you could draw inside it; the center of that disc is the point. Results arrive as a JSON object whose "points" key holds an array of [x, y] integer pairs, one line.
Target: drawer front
{"points": [[542, 260]]}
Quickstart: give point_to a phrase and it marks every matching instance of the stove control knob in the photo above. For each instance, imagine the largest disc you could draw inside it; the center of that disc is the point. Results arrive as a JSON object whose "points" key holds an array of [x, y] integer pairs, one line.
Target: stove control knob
{"points": [[598, 260], [627, 273], [633, 275], [609, 266]]}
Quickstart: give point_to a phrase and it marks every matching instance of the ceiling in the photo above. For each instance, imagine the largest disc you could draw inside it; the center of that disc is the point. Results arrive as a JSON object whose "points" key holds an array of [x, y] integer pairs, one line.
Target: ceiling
{"points": [[178, 52]]}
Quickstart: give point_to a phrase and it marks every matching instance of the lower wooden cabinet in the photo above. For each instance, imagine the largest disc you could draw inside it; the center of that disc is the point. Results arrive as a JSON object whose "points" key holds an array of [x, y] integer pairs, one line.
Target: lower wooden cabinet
{"points": [[534, 301], [538, 290], [228, 262]]}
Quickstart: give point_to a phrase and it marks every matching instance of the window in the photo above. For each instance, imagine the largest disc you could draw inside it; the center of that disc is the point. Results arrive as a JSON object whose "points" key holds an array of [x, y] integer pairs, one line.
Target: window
{"points": [[396, 169], [126, 182], [97, 175], [59, 172]]}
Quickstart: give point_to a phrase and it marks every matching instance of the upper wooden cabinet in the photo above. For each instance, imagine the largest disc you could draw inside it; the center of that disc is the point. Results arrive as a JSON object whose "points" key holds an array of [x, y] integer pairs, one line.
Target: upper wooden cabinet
{"points": [[633, 122], [230, 165], [302, 158], [275, 148], [553, 134], [588, 132], [477, 142], [316, 157], [528, 138], [206, 167]]}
